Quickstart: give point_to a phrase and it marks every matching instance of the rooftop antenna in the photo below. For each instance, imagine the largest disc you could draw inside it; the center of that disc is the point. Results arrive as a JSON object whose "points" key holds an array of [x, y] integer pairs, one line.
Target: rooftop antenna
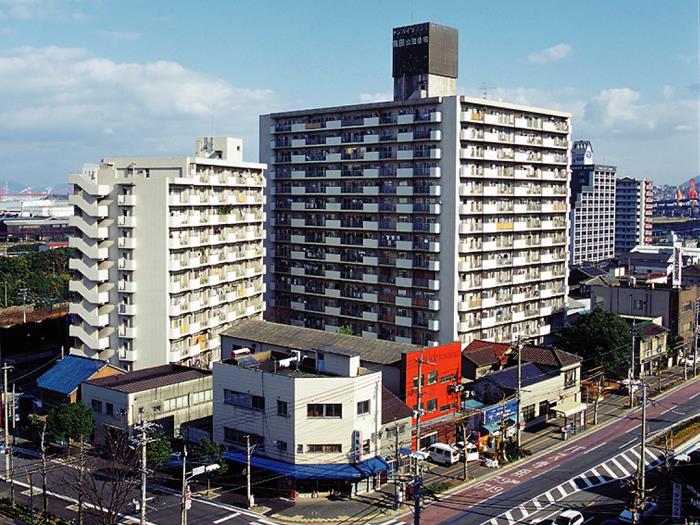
{"points": [[485, 88]]}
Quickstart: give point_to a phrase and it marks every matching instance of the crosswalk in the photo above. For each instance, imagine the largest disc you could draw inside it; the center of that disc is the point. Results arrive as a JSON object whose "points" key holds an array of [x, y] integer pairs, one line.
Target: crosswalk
{"points": [[393, 522], [618, 467]]}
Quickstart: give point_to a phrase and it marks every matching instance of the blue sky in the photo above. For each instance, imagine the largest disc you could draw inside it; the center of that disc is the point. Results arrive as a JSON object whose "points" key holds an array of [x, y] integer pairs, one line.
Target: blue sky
{"points": [[84, 79]]}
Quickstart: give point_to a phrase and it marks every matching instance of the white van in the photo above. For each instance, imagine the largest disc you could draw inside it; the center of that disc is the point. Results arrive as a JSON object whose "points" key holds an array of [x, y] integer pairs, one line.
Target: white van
{"points": [[443, 453]]}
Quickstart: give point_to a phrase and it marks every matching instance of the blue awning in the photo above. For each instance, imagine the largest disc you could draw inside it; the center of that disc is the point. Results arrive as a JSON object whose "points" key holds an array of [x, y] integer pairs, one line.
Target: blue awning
{"points": [[315, 470]]}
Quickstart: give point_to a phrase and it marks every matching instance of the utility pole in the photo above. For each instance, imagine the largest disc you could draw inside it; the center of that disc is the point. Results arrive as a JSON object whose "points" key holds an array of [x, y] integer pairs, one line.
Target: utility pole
{"points": [[631, 375], [596, 402], [6, 415], [641, 468], [417, 482], [518, 348], [143, 440], [43, 467], [397, 457], [248, 453], [465, 472], [695, 340], [183, 502], [419, 407], [24, 304]]}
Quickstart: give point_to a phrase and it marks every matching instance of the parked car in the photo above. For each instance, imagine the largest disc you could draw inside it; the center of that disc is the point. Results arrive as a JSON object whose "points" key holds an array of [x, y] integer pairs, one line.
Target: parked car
{"points": [[569, 517], [443, 454], [648, 508], [471, 450]]}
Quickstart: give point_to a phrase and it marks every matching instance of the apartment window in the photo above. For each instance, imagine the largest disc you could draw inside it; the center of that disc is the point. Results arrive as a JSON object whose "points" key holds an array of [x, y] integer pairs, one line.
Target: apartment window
{"points": [[334, 410], [175, 403], [448, 379], [201, 397], [363, 407], [529, 412], [432, 378], [281, 445], [431, 406], [300, 449], [236, 437], [97, 406], [366, 446], [443, 408], [570, 378], [281, 408], [243, 400], [109, 409], [415, 382], [316, 449]]}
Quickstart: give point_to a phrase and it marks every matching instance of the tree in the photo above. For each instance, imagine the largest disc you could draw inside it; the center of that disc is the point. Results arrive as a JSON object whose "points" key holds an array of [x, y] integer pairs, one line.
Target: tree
{"points": [[71, 421], [207, 453], [345, 329], [111, 481], [600, 338], [159, 448]]}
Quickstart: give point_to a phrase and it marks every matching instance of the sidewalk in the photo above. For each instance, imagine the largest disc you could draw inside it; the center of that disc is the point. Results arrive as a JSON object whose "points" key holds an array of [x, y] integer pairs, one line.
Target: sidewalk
{"points": [[378, 506]]}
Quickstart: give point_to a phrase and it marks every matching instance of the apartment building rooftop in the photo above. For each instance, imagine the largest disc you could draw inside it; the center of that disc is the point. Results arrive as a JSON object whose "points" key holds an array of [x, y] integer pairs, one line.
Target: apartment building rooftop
{"points": [[309, 339], [150, 378]]}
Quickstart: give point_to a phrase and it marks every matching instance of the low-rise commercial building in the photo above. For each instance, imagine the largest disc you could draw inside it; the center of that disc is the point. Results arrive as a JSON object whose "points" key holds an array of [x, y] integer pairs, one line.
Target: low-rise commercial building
{"points": [[650, 349], [311, 416], [169, 395]]}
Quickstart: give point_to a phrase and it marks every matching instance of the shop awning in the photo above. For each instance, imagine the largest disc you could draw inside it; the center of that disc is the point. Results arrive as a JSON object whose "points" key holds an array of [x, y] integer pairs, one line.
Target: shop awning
{"points": [[360, 470], [570, 410]]}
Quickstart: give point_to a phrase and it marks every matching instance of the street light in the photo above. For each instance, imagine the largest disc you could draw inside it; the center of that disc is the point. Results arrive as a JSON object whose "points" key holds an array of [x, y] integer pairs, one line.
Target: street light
{"points": [[186, 496]]}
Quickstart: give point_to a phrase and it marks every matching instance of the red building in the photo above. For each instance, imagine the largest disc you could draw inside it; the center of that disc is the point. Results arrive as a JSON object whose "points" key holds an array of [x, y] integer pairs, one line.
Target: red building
{"points": [[441, 370]]}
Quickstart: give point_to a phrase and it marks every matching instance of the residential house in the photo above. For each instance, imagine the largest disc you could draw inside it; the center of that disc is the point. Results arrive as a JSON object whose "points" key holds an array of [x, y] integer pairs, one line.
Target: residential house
{"points": [[480, 358], [60, 384], [169, 395], [650, 347]]}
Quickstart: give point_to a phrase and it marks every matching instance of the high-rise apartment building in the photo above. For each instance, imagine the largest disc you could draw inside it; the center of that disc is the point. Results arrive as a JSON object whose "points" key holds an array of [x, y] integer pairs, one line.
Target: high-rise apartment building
{"points": [[170, 253], [592, 198], [634, 200], [422, 219]]}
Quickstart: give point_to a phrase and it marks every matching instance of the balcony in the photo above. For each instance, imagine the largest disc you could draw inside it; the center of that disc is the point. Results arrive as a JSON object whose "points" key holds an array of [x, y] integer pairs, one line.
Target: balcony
{"points": [[126, 286], [126, 200], [128, 332], [93, 250], [126, 242]]}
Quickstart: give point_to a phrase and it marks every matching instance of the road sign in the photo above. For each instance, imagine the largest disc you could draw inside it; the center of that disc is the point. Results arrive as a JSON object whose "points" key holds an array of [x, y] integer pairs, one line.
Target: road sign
{"points": [[522, 425], [676, 501], [188, 498]]}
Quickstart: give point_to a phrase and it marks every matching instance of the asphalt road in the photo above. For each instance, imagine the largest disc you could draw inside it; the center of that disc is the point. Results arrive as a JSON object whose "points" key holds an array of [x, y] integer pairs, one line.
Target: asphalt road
{"points": [[497, 500]]}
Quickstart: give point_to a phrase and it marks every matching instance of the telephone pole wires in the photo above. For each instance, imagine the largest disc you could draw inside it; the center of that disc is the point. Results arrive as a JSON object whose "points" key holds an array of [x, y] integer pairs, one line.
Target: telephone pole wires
{"points": [[518, 348], [248, 453], [142, 427]]}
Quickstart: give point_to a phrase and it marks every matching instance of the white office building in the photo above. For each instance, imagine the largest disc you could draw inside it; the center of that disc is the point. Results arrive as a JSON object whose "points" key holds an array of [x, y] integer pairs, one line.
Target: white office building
{"points": [[592, 207], [421, 220], [170, 253], [634, 201]]}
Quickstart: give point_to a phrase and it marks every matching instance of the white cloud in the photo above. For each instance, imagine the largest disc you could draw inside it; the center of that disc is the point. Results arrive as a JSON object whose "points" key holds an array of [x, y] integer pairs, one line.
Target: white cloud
{"points": [[367, 98], [42, 10], [88, 107], [118, 35], [668, 91], [551, 54]]}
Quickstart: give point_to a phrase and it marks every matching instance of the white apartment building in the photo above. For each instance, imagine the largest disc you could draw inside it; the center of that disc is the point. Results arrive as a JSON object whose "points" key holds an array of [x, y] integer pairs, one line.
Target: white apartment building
{"points": [[421, 220], [634, 201], [313, 416], [170, 252], [592, 207]]}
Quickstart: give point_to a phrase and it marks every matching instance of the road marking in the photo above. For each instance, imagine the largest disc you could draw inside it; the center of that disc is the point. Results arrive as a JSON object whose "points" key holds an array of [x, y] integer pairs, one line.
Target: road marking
{"points": [[694, 396], [635, 452], [226, 518], [610, 472], [573, 484], [601, 479], [592, 449], [524, 512], [588, 519], [620, 467], [626, 444], [563, 492], [653, 456], [537, 504], [632, 463], [509, 517], [587, 481], [549, 497]]}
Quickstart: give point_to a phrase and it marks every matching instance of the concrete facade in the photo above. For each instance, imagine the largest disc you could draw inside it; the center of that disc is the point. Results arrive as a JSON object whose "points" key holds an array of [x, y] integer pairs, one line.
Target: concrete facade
{"points": [[633, 212], [592, 218], [421, 221], [169, 254], [117, 401]]}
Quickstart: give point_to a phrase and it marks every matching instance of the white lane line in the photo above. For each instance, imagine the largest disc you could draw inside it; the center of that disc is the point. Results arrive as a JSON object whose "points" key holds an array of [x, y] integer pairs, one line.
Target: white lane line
{"points": [[524, 512], [563, 492], [587, 481], [509, 517], [592, 449], [635, 452], [587, 519], [226, 518], [537, 504], [574, 485], [628, 460], [549, 497], [626, 444], [601, 479], [610, 472], [653, 456], [694, 395], [493, 521], [620, 467]]}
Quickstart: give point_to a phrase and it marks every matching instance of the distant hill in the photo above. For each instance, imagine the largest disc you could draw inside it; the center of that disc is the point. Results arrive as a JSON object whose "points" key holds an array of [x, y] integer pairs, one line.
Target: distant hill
{"points": [[12, 186]]}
